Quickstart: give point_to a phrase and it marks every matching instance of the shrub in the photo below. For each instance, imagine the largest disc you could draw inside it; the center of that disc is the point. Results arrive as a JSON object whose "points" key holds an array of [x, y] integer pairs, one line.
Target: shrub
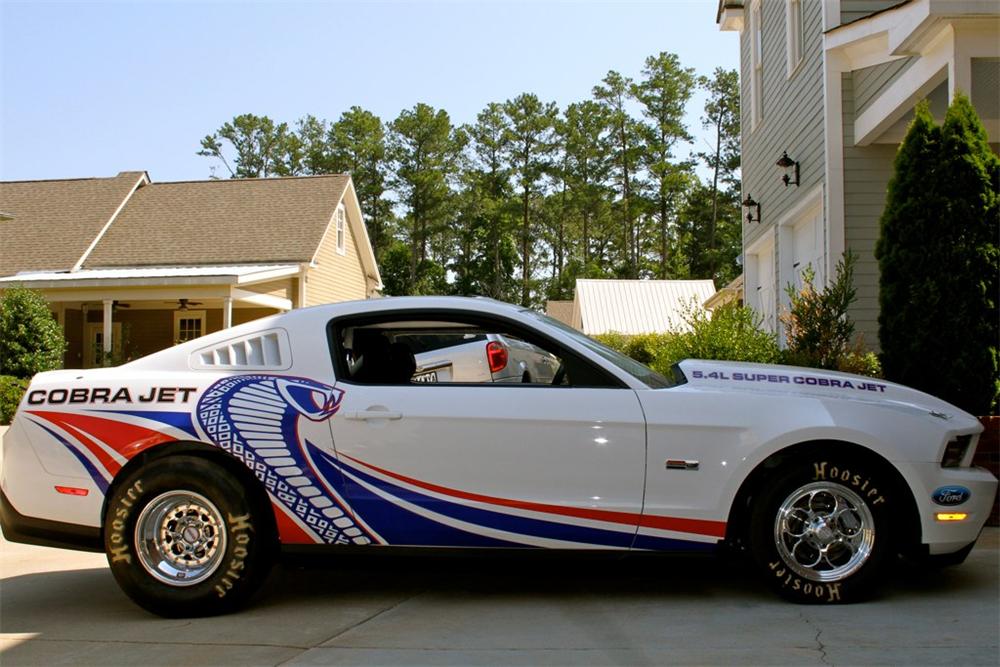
{"points": [[939, 261], [818, 330], [31, 340], [731, 332], [11, 391]]}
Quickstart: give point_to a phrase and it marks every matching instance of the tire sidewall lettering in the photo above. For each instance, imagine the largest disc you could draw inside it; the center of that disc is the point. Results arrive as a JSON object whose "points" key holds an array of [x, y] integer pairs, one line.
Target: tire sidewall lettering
{"points": [[853, 474], [861, 482], [239, 528], [119, 551]]}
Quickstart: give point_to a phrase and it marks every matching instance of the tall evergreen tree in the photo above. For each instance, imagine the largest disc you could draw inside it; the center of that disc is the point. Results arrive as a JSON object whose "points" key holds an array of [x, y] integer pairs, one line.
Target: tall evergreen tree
{"points": [[487, 220], [424, 149], [314, 146], [584, 131], [261, 147], [722, 118], [939, 261], [529, 151], [663, 93], [357, 145], [614, 94]]}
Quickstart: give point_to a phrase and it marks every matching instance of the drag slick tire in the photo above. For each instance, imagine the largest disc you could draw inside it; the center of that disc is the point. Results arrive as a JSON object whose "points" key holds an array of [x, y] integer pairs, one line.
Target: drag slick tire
{"points": [[820, 530], [184, 538]]}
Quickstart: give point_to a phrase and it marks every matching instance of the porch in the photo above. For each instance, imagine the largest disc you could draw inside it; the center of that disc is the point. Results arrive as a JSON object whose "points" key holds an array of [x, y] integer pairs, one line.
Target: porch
{"points": [[111, 316]]}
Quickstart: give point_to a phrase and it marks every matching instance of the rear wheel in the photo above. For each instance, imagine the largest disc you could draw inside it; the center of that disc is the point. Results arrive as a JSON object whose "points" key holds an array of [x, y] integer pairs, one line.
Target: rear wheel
{"points": [[820, 532], [184, 538]]}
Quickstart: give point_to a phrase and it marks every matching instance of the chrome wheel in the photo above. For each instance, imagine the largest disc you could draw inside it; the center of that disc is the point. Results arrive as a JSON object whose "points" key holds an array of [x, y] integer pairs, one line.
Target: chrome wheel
{"points": [[824, 531], [180, 538]]}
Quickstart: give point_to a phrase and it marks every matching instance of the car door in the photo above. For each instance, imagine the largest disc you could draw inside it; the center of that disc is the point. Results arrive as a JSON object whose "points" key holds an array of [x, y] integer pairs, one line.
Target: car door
{"points": [[504, 465]]}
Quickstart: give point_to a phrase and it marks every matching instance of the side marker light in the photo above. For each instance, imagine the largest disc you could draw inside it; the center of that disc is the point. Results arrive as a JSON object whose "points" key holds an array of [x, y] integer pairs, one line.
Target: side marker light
{"points": [[72, 491], [951, 516]]}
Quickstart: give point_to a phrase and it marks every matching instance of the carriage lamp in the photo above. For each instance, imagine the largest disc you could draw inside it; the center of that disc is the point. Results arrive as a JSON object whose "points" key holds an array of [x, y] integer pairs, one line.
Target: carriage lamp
{"points": [[790, 167], [749, 204]]}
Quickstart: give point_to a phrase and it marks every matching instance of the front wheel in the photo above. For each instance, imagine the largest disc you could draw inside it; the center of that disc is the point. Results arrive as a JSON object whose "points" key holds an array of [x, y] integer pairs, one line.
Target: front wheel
{"points": [[820, 532], [184, 538]]}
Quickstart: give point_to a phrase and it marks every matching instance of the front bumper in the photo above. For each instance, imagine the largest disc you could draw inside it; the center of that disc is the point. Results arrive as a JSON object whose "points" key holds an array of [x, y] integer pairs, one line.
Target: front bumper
{"points": [[945, 537]]}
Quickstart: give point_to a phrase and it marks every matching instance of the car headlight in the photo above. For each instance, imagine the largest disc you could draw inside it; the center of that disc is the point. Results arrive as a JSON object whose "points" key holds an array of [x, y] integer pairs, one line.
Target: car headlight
{"points": [[955, 451]]}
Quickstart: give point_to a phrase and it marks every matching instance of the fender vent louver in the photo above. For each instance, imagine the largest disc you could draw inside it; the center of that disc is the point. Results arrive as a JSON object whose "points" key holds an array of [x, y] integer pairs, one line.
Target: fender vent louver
{"points": [[267, 350]]}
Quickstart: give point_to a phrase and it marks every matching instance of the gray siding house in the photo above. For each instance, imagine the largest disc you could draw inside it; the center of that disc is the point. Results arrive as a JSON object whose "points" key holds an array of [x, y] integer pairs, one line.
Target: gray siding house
{"points": [[831, 86]]}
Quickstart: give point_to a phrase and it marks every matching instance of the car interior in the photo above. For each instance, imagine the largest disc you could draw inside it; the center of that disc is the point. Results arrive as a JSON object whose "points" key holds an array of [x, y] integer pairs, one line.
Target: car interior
{"points": [[390, 353]]}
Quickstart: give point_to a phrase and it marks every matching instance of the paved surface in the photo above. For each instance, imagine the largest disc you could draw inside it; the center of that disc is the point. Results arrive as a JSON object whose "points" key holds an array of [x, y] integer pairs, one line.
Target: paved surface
{"points": [[61, 607]]}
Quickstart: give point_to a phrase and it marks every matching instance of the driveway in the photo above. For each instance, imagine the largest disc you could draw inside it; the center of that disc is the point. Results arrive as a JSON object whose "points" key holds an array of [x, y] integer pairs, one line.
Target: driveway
{"points": [[62, 607]]}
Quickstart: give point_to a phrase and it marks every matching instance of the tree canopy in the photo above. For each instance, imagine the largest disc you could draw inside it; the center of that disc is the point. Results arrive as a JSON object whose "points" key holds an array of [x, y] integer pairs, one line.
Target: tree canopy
{"points": [[529, 197]]}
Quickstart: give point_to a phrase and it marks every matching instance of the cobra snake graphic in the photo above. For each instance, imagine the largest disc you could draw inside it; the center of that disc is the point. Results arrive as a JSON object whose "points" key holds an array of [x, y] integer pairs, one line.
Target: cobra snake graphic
{"points": [[255, 418]]}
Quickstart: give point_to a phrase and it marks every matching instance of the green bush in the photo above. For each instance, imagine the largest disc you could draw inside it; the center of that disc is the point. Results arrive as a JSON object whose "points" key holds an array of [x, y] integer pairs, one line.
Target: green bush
{"points": [[11, 391], [731, 332], [818, 331], [939, 261], [31, 341]]}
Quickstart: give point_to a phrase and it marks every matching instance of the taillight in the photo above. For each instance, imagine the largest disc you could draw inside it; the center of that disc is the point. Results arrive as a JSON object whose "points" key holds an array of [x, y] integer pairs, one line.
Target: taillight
{"points": [[496, 355]]}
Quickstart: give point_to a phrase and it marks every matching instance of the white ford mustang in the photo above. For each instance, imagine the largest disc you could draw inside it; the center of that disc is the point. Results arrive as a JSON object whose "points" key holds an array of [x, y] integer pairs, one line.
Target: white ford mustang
{"points": [[191, 467]]}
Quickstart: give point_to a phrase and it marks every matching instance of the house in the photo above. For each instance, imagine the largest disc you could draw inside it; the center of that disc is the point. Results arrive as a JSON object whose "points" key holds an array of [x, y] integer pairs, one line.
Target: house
{"points": [[637, 306], [560, 310], [131, 266], [827, 91], [731, 293]]}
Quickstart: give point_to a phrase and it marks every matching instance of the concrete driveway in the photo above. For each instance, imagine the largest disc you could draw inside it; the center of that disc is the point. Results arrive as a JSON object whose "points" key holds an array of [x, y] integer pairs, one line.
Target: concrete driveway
{"points": [[62, 607]]}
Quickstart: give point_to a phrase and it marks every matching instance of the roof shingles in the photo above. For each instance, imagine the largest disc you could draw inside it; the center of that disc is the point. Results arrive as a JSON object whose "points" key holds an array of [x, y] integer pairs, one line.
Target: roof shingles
{"points": [[54, 222], [221, 222]]}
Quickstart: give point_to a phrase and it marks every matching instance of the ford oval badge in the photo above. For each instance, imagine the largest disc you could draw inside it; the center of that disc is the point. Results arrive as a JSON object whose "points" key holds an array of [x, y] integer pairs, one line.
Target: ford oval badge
{"points": [[951, 495]]}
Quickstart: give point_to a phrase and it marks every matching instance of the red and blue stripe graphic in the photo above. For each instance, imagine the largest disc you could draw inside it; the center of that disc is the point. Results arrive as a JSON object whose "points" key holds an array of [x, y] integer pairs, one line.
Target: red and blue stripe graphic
{"points": [[389, 507], [399, 509]]}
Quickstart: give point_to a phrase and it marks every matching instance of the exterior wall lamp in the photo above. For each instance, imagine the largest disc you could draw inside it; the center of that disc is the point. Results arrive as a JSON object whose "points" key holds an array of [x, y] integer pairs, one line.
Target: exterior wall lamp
{"points": [[791, 167], [749, 204]]}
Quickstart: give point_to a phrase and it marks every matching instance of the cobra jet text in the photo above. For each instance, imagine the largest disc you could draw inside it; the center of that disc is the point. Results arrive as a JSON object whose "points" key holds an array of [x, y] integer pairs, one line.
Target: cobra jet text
{"points": [[790, 379], [110, 395]]}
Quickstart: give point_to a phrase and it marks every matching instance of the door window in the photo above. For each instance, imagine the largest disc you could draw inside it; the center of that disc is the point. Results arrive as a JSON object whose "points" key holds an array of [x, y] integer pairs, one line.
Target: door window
{"points": [[454, 350]]}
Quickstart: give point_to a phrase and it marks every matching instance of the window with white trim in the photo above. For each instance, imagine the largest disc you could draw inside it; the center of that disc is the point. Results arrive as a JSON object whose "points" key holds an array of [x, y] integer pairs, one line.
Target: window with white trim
{"points": [[341, 220], [756, 65], [188, 325], [794, 29]]}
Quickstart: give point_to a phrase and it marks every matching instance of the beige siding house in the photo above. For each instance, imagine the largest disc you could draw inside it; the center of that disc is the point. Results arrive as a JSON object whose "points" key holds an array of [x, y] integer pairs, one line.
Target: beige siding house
{"points": [[831, 85], [131, 266]]}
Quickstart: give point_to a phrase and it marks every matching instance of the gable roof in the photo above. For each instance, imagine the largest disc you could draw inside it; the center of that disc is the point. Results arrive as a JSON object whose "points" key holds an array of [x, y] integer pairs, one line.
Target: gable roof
{"points": [[560, 310], [266, 220], [636, 306], [53, 223]]}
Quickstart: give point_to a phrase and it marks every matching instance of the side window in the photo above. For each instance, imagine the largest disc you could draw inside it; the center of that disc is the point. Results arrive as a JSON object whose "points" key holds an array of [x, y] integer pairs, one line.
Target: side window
{"points": [[453, 352]]}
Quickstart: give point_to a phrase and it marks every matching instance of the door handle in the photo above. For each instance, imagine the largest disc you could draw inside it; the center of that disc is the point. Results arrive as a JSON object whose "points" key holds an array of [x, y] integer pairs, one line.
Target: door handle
{"points": [[370, 415]]}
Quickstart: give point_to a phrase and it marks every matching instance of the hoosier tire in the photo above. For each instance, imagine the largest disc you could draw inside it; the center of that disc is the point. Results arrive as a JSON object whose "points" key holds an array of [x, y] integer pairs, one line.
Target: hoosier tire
{"points": [[183, 538], [820, 533]]}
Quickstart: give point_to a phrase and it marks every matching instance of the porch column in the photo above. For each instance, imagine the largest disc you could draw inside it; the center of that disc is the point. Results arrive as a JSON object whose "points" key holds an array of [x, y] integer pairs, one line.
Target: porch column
{"points": [[227, 312], [107, 344]]}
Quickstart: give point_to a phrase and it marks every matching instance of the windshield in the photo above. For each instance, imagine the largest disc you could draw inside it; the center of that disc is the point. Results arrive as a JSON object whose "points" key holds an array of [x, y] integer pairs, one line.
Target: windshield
{"points": [[640, 372]]}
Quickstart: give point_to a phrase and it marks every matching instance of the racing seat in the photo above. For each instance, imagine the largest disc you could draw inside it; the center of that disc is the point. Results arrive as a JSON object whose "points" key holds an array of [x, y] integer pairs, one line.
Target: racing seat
{"points": [[402, 363], [372, 353]]}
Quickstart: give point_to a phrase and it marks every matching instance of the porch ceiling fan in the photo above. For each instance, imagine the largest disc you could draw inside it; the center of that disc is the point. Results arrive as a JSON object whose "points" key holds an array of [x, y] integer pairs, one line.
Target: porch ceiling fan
{"points": [[182, 304]]}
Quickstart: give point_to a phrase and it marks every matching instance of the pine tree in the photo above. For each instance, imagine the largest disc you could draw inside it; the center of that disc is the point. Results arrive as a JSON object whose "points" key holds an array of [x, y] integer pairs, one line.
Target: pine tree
{"points": [[938, 261]]}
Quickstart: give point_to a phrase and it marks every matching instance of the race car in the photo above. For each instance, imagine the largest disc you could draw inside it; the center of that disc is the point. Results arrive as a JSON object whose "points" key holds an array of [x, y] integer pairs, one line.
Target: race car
{"points": [[194, 467]]}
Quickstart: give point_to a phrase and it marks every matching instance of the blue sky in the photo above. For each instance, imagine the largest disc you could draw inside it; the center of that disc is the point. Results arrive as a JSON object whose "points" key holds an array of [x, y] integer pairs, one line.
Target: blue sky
{"points": [[91, 89]]}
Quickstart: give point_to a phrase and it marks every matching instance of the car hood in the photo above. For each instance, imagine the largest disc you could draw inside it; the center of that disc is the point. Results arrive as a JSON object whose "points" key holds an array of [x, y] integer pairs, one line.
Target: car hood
{"points": [[774, 378]]}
